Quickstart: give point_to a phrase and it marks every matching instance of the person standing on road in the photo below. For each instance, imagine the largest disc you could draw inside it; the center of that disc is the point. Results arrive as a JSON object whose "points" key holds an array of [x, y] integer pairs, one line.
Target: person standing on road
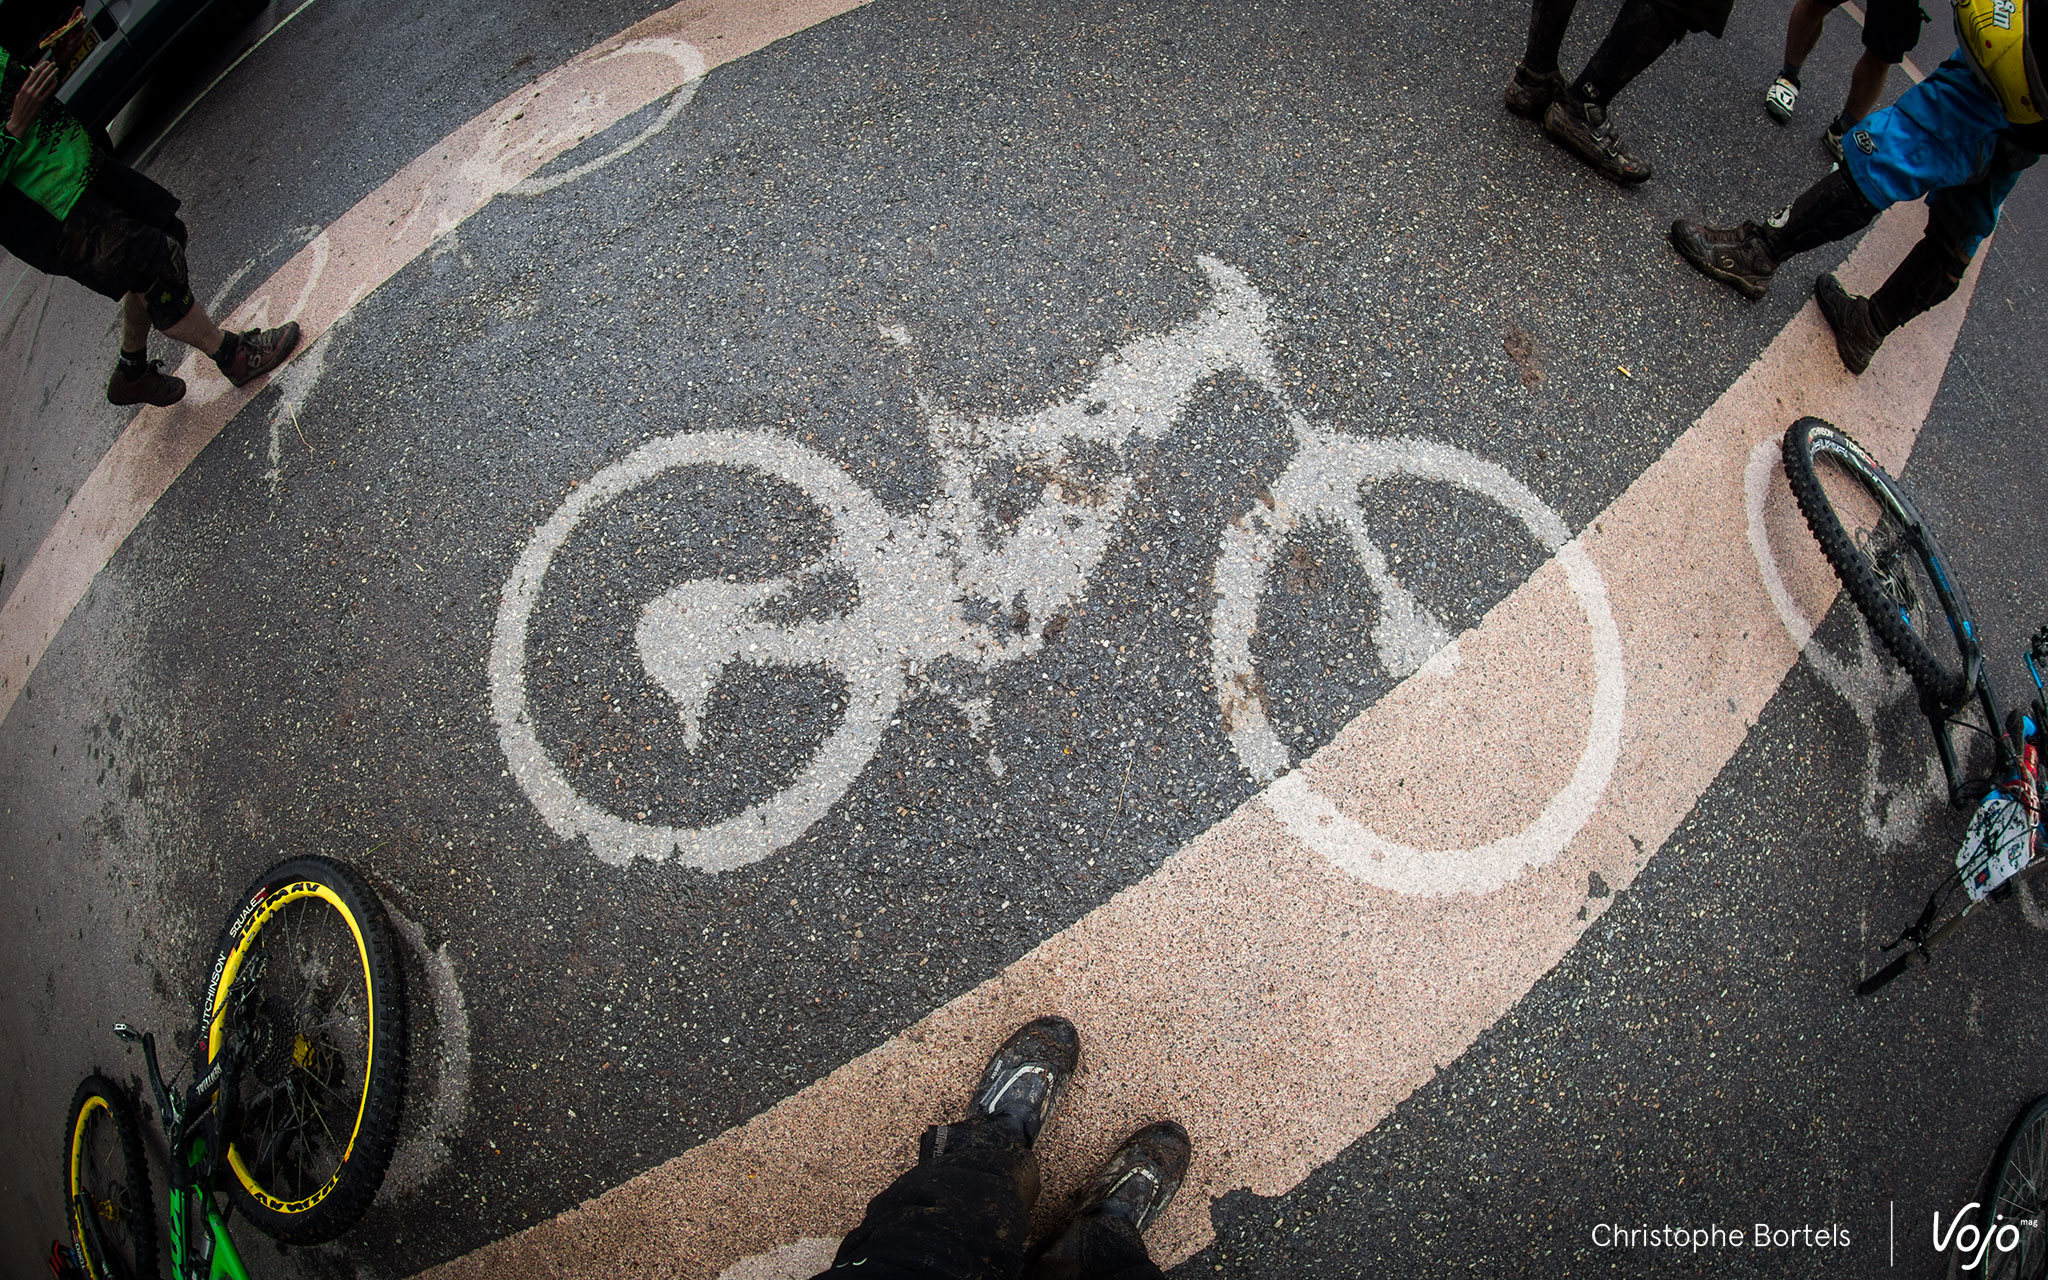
{"points": [[1575, 115], [1961, 137], [964, 1212], [69, 208], [1890, 30]]}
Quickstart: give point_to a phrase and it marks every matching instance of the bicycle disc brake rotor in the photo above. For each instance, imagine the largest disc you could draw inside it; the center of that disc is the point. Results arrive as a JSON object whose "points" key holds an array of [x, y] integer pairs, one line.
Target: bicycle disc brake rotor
{"points": [[1890, 553]]}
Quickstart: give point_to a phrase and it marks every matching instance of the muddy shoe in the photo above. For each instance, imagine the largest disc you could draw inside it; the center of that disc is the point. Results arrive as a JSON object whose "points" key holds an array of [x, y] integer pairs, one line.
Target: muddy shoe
{"points": [[1585, 129], [1530, 93], [1140, 1179], [1024, 1078], [1856, 335], [257, 352], [151, 386], [1735, 256]]}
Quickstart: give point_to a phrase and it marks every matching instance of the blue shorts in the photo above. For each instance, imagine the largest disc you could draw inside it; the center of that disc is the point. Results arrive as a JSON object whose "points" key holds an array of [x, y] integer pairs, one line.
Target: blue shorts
{"points": [[1943, 139]]}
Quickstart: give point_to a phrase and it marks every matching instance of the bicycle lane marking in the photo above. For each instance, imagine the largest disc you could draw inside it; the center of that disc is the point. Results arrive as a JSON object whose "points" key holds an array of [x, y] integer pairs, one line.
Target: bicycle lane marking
{"points": [[1250, 988], [497, 152]]}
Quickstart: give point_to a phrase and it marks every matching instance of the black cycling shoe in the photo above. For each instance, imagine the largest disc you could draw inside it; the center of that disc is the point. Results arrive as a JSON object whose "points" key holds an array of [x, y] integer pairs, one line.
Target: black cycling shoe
{"points": [[1023, 1079], [1140, 1179], [1736, 256]]}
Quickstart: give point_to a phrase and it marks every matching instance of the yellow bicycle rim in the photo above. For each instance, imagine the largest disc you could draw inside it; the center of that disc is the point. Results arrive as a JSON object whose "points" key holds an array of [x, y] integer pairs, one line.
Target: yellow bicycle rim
{"points": [[217, 1030], [93, 1265]]}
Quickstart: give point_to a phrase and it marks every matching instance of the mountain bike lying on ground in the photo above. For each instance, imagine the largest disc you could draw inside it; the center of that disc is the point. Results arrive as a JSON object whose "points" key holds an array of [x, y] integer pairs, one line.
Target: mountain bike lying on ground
{"points": [[299, 1077], [1890, 565]]}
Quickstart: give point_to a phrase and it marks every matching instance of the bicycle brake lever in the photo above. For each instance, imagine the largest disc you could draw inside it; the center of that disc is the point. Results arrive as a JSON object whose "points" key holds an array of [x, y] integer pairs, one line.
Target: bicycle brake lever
{"points": [[125, 1032]]}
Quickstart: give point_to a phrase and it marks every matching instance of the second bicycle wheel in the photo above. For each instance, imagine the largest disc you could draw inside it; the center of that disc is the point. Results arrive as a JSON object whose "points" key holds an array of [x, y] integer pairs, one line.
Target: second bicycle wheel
{"points": [[106, 1184], [307, 983], [2018, 1195], [1885, 557]]}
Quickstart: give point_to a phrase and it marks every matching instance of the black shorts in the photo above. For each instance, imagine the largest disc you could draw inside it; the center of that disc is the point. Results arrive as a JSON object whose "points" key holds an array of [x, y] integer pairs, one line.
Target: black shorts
{"points": [[124, 236], [1891, 27], [1710, 16]]}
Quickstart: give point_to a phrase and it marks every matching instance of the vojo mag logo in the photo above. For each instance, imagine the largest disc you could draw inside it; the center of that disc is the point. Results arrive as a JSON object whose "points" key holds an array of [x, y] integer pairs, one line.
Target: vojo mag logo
{"points": [[1974, 1241]]}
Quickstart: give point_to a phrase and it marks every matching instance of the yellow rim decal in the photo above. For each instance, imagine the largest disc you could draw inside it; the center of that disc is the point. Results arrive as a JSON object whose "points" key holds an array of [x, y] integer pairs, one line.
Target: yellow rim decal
{"points": [[92, 1104], [252, 926]]}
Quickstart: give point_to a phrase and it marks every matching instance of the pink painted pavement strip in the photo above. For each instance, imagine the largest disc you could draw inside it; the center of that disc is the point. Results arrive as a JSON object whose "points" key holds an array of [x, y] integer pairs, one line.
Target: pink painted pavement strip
{"points": [[1277, 1006]]}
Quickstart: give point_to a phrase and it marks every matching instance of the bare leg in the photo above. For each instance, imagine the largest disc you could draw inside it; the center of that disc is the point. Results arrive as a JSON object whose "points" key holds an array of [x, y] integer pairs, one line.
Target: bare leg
{"points": [[1865, 83], [196, 330], [1803, 31], [134, 325]]}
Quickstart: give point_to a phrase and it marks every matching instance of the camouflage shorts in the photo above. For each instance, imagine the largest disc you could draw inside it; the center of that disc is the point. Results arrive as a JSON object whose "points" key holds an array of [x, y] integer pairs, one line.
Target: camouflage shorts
{"points": [[123, 236]]}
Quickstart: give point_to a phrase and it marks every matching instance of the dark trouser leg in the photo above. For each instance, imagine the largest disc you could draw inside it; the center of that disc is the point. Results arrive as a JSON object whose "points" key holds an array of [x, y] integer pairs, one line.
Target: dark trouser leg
{"points": [[1094, 1247], [1642, 31], [1547, 21], [1921, 283], [962, 1214], [1823, 213]]}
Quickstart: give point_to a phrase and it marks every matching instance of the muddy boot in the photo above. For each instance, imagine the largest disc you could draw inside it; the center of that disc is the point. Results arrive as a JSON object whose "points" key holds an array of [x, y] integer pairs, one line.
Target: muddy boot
{"points": [[248, 355], [143, 382], [1581, 127], [1023, 1079], [1923, 281], [1848, 314], [1140, 1179], [1530, 93], [1641, 32], [1736, 256], [1105, 1236], [1746, 256]]}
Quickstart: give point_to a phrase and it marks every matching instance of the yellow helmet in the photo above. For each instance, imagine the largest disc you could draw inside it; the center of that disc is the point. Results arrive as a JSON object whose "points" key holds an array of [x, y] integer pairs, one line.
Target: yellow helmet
{"points": [[1994, 36]]}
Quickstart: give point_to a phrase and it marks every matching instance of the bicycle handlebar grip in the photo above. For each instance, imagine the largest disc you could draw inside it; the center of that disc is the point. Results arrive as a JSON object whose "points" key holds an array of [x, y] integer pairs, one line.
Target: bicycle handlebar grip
{"points": [[1886, 974]]}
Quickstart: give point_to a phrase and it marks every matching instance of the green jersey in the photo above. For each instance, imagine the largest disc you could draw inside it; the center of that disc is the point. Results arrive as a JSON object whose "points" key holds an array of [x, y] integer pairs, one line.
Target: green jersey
{"points": [[55, 162]]}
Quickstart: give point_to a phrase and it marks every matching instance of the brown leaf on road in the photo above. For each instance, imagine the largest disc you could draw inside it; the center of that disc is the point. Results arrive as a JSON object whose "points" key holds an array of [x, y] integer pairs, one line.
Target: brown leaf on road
{"points": [[1521, 348]]}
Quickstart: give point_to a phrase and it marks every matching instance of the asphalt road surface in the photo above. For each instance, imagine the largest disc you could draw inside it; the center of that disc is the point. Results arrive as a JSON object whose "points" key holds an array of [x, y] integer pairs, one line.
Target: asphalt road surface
{"points": [[735, 593]]}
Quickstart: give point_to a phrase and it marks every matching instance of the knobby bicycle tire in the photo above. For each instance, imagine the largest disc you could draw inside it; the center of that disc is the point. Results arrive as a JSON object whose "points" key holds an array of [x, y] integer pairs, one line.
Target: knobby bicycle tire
{"points": [[122, 1207], [2014, 1191], [1941, 680], [360, 1070]]}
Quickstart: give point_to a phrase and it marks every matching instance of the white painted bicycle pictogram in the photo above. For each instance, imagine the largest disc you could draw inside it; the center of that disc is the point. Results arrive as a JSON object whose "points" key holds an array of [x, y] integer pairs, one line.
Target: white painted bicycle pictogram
{"points": [[946, 583]]}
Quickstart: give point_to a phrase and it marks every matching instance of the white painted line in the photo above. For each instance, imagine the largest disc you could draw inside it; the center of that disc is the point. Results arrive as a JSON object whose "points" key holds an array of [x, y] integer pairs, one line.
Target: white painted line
{"points": [[693, 632], [1319, 823], [424, 1152], [1273, 1003]]}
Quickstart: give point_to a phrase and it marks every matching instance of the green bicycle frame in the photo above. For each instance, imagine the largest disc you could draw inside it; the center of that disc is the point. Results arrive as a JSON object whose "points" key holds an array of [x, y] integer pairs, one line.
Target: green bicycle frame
{"points": [[188, 1204]]}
